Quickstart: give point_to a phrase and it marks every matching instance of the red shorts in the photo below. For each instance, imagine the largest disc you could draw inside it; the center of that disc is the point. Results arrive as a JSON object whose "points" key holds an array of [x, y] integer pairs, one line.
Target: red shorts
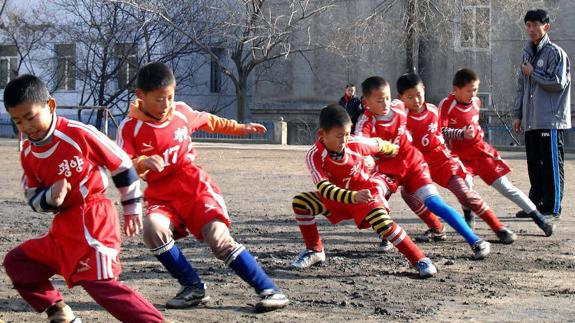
{"points": [[189, 199], [83, 242], [380, 189], [443, 166], [409, 168], [484, 161]]}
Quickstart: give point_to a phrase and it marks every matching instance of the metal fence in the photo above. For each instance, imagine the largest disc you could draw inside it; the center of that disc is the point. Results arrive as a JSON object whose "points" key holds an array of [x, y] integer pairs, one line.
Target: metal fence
{"points": [[7, 130]]}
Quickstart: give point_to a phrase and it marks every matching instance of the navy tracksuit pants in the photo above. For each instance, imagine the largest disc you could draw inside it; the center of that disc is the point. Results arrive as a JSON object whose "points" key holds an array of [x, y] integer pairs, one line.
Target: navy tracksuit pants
{"points": [[544, 148]]}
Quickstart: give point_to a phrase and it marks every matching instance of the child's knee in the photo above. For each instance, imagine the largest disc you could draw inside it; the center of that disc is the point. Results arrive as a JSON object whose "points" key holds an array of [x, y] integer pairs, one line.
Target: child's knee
{"points": [[10, 259], [307, 204], [218, 238], [157, 231]]}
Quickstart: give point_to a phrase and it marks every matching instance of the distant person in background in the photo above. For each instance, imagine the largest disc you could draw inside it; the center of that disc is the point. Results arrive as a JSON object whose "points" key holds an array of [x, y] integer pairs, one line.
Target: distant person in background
{"points": [[352, 104], [543, 110]]}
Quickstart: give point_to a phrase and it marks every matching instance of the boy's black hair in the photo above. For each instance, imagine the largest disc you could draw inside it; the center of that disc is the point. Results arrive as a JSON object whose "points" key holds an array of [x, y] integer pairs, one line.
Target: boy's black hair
{"points": [[25, 88], [463, 77], [333, 115], [539, 15], [372, 83], [348, 85], [154, 75], [408, 81]]}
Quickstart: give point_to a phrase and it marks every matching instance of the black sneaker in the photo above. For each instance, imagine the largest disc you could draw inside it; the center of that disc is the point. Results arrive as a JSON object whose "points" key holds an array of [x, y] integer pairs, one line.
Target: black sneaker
{"points": [[469, 219], [522, 215], [543, 223], [506, 236], [432, 235], [188, 296]]}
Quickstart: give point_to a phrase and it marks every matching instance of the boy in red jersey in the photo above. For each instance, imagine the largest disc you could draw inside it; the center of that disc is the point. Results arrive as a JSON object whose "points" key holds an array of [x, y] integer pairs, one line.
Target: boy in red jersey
{"points": [[65, 172], [180, 197], [346, 190], [445, 168], [387, 120], [459, 123]]}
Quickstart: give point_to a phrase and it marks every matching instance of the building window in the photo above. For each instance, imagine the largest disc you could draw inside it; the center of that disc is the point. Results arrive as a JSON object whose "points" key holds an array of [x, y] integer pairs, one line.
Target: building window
{"points": [[8, 64], [66, 67], [216, 71], [127, 55], [474, 28]]}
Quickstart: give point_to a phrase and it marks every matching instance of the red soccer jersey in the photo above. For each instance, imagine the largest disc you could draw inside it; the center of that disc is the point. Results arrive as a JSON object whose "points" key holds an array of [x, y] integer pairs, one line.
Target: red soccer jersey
{"points": [[170, 139], [453, 114], [80, 154], [426, 134], [391, 127], [350, 172]]}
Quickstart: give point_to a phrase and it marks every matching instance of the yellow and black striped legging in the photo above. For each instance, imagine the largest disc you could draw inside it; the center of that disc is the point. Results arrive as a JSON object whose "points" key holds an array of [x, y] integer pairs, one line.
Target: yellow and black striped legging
{"points": [[309, 203]]}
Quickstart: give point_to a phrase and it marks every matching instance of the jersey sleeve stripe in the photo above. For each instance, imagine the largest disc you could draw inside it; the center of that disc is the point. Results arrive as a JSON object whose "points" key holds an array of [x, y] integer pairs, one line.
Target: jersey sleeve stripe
{"points": [[360, 124], [126, 162], [315, 174]]}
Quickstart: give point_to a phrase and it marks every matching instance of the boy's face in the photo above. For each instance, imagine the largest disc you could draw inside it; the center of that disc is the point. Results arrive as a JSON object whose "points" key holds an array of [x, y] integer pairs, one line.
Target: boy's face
{"points": [[350, 91], [336, 138], [33, 119], [467, 93], [414, 97], [379, 100], [157, 103], [536, 30]]}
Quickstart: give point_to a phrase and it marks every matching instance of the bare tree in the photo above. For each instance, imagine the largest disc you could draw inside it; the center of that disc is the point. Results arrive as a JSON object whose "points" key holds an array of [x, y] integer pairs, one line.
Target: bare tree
{"points": [[247, 32]]}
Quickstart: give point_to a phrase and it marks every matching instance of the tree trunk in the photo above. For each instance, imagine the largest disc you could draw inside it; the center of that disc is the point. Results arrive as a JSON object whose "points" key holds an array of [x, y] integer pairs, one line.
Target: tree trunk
{"points": [[242, 98], [412, 39]]}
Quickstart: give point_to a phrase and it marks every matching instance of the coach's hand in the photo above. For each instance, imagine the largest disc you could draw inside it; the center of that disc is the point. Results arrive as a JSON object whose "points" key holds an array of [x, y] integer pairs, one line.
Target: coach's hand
{"points": [[154, 162], [255, 128], [517, 125], [59, 191], [363, 196], [132, 224]]}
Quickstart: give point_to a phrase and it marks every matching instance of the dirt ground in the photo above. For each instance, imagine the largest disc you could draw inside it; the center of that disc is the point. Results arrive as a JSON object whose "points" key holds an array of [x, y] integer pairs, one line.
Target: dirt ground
{"points": [[530, 280]]}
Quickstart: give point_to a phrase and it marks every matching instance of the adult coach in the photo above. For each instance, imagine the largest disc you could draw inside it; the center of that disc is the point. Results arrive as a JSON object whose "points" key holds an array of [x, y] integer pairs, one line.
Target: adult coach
{"points": [[352, 104], [543, 109]]}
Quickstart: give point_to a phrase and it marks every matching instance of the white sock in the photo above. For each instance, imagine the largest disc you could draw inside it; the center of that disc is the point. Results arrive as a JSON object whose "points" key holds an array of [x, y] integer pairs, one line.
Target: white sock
{"points": [[507, 189]]}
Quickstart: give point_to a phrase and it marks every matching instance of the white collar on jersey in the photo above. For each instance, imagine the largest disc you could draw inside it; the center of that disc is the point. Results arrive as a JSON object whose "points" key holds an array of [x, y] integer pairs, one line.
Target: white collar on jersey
{"points": [[48, 137]]}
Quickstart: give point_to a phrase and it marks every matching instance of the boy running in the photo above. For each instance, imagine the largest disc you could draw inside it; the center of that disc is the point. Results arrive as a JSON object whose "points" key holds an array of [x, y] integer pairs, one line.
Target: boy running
{"points": [[65, 166], [180, 197], [445, 168], [346, 190], [387, 120], [459, 123]]}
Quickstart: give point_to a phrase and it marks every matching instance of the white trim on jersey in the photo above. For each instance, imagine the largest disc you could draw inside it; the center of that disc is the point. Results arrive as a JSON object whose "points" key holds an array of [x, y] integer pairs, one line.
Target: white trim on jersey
{"points": [[432, 108], [180, 115], [159, 126], [83, 189], [104, 176], [67, 139], [113, 148], [27, 150], [359, 126], [315, 175], [137, 128], [120, 132], [451, 106], [47, 153]]}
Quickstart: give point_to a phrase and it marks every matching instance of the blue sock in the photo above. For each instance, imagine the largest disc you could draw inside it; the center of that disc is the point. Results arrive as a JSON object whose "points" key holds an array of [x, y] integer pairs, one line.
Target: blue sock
{"points": [[177, 265], [246, 266], [436, 205]]}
